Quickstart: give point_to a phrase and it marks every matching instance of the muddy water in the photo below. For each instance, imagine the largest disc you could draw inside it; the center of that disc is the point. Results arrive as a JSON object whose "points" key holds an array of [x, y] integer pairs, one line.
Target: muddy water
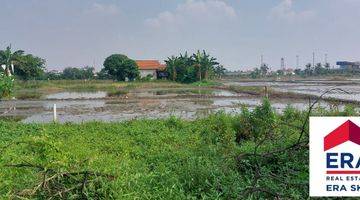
{"points": [[77, 95], [188, 104], [311, 87]]}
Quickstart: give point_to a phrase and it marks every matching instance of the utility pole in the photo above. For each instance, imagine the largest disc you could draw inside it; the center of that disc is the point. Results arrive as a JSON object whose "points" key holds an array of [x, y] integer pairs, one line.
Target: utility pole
{"points": [[261, 60], [283, 64], [313, 59], [326, 58]]}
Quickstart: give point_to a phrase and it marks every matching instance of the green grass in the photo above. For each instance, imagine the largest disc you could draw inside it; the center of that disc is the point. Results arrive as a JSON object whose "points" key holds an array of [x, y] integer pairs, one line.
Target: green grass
{"points": [[152, 159], [159, 159], [206, 83], [168, 159], [255, 90], [117, 93]]}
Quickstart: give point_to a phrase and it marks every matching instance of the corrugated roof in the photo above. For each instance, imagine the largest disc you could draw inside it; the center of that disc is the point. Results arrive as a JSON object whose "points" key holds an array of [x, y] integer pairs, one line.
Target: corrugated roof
{"points": [[149, 64]]}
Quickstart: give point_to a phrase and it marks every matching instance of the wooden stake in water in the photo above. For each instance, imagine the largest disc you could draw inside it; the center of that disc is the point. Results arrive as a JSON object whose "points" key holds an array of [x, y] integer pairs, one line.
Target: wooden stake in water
{"points": [[55, 116], [266, 92]]}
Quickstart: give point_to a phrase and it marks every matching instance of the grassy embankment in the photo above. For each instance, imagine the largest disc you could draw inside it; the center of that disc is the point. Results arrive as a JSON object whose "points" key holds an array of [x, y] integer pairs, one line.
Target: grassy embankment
{"points": [[208, 158]]}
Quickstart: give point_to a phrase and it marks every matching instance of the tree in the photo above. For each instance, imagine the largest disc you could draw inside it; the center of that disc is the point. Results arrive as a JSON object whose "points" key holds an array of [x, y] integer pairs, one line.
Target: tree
{"points": [[298, 72], [219, 70], [181, 68], [256, 73], [187, 69], [7, 58], [6, 85], [197, 58], [53, 75], [121, 67], [308, 70], [204, 63], [264, 69], [74, 73], [280, 72], [6, 80], [171, 64], [319, 70], [327, 68], [29, 67], [103, 75], [26, 66]]}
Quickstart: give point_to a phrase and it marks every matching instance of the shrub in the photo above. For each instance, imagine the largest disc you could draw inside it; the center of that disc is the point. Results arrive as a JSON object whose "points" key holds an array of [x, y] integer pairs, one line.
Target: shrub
{"points": [[6, 85]]}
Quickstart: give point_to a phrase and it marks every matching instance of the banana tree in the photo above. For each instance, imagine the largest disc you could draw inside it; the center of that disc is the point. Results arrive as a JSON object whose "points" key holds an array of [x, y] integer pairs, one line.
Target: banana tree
{"points": [[198, 59], [171, 63], [204, 63], [7, 59], [209, 63]]}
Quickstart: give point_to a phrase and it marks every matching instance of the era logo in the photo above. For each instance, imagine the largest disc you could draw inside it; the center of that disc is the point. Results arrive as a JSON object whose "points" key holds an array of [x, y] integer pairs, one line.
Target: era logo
{"points": [[334, 156]]}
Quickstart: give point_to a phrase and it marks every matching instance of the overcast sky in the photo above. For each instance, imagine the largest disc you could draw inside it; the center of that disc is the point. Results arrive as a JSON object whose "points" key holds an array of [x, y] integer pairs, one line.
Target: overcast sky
{"points": [[237, 32]]}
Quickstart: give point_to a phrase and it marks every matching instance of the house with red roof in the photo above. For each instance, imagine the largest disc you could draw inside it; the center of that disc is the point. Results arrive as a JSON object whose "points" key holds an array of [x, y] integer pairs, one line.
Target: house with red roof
{"points": [[151, 68]]}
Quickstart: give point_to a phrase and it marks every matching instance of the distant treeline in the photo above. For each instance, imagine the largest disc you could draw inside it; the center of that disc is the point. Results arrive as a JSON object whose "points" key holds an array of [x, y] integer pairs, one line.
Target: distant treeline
{"points": [[71, 73], [308, 71], [184, 68]]}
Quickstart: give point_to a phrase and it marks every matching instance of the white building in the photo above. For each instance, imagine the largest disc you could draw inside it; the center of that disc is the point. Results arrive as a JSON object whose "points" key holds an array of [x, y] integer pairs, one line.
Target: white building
{"points": [[150, 68]]}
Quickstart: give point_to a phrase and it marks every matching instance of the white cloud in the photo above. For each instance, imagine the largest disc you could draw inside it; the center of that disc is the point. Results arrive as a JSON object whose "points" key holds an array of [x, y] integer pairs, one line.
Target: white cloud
{"points": [[192, 11], [104, 9], [285, 11]]}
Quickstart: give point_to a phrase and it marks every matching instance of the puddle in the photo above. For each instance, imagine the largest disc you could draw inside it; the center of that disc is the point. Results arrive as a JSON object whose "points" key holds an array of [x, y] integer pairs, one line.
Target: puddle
{"points": [[180, 92], [77, 95], [224, 93]]}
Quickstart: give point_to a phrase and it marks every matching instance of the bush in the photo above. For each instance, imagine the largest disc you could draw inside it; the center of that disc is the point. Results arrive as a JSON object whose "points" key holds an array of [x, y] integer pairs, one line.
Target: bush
{"points": [[6, 85]]}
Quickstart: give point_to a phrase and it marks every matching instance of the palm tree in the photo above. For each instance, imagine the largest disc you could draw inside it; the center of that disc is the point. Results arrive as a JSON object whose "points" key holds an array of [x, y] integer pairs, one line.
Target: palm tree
{"points": [[9, 58]]}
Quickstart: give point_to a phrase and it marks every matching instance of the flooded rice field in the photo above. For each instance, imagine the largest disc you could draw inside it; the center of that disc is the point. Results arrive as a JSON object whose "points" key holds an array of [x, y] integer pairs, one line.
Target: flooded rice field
{"points": [[187, 103], [77, 95], [349, 89]]}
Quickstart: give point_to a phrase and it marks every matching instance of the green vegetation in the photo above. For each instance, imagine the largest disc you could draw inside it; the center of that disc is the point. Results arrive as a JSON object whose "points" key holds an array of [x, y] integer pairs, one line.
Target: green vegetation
{"points": [[74, 73], [197, 67], [121, 67], [6, 85], [319, 70], [246, 156], [24, 66], [117, 93], [207, 83]]}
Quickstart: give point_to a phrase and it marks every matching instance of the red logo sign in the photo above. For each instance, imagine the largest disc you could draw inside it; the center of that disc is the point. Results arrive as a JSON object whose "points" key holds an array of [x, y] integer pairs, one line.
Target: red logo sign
{"points": [[348, 131]]}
